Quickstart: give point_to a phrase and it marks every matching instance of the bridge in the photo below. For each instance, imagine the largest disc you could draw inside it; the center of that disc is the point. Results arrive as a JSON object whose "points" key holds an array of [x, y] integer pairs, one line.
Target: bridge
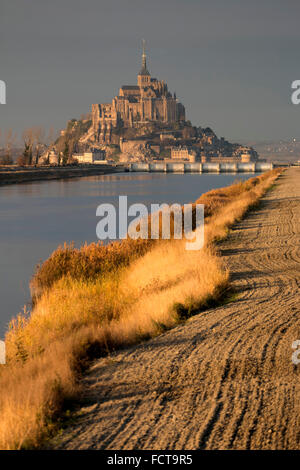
{"points": [[197, 167]]}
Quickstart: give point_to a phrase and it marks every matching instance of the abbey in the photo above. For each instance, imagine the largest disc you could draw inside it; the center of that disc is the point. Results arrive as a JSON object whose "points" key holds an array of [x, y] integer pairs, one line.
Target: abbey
{"points": [[143, 123], [137, 105]]}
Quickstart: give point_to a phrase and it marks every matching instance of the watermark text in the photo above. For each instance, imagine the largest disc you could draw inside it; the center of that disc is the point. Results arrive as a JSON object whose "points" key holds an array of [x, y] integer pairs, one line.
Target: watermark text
{"points": [[2, 92], [164, 221]]}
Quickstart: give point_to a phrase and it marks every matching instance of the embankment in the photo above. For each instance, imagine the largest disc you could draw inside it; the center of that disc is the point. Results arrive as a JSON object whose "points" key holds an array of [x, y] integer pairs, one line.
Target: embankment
{"points": [[16, 175], [93, 301], [225, 379]]}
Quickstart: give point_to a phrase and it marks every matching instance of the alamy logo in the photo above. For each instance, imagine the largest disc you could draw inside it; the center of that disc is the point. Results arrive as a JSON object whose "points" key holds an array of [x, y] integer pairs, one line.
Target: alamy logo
{"points": [[296, 354], [295, 97], [2, 353], [2, 92], [187, 223]]}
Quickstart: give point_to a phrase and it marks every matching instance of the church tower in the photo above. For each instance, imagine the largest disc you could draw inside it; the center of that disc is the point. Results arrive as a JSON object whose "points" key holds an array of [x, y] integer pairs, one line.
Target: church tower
{"points": [[144, 76]]}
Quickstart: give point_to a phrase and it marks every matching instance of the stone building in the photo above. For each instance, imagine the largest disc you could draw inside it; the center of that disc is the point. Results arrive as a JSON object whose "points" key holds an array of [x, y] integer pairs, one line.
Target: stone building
{"points": [[49, 157], [246, 154], [95, 156], [137, 105], [183, 153]]}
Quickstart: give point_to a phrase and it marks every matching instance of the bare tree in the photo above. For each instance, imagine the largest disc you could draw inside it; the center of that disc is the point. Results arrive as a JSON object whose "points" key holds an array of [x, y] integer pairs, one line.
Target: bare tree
{"points": [[72, 149], [28, 139], [61, 144], [9, 140], [39, 142], [51, 137]]}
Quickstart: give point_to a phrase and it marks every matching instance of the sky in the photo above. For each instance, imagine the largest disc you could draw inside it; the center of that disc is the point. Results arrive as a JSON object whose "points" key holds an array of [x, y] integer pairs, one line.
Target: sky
{"points": [[231, 62]]}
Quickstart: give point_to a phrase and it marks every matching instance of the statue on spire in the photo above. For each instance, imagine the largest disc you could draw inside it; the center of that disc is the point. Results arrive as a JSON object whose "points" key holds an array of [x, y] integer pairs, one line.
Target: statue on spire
{"points": [[144, 70], [144, 65]]}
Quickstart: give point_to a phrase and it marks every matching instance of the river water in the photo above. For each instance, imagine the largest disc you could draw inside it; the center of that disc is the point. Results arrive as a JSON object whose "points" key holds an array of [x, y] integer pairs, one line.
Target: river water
{"points": [[36, 217]]}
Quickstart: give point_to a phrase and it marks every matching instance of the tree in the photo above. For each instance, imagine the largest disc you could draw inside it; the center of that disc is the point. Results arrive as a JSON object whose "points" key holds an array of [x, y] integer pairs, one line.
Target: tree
{"points": [[48, 158], [9, 140], [39, 137], [51, 137], [21, 160], [6, 160], [65, 156], [28, 139]]}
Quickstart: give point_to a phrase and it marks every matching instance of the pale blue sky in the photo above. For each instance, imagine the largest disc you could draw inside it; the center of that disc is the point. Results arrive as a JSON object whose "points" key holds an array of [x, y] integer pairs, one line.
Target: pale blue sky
{"points": [[231, 62]]}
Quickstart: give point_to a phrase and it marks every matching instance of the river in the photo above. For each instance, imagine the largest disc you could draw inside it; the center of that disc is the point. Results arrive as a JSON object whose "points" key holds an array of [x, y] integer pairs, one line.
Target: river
{"points": [[36, 217]]}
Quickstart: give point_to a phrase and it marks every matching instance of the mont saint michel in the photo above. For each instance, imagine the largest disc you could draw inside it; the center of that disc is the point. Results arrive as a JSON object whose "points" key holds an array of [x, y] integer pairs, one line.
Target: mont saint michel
{"points": [[136, 106], [144, 122]]}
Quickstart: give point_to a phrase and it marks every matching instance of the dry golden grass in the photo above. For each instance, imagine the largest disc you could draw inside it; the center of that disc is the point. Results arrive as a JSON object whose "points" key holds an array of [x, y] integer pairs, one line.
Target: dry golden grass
{"points": [[86, 309], [88, 262]]}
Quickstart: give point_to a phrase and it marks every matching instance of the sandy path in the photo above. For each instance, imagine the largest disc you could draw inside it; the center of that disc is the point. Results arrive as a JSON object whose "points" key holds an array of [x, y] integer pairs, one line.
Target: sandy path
{"points": [[225, 379]]}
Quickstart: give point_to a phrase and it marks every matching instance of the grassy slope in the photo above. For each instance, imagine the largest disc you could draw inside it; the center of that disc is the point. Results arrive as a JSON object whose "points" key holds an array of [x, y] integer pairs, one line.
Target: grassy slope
{"points": [[91, 301]]}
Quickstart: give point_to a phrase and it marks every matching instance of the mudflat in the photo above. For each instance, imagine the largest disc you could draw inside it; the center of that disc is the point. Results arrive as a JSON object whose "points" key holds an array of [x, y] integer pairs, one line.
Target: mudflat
{"points": [[225, 379]]}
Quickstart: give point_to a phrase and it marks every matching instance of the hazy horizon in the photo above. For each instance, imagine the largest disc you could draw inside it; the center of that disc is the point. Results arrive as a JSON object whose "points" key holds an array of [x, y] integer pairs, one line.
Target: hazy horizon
{"points": [[230, 64]]}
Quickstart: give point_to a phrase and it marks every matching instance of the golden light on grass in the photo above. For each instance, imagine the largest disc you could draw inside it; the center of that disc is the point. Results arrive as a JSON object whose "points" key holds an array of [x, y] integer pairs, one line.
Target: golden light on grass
{"points": [[91, 301]]}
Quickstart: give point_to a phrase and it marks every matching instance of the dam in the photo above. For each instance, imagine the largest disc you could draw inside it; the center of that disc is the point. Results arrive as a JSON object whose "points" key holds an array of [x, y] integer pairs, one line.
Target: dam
{"points": [[197, 167]]}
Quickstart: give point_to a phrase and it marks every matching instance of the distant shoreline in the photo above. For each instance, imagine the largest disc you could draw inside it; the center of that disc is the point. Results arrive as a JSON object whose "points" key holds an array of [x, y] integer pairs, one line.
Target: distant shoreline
{"points": [[24, 175]]}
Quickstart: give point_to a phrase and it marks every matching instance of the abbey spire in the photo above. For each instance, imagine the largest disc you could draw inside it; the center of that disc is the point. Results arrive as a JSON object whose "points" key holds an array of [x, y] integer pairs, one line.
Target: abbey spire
{"points": [[144, 75], [144, 70]]}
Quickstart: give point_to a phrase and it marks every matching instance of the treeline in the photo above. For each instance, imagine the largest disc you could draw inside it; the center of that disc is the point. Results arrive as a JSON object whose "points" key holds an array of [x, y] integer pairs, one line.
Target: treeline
{"points": [[35, 141]]}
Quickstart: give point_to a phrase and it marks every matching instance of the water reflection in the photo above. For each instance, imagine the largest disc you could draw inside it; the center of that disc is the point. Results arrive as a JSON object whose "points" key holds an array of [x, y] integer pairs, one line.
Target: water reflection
{"points": [[36, 217]]}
